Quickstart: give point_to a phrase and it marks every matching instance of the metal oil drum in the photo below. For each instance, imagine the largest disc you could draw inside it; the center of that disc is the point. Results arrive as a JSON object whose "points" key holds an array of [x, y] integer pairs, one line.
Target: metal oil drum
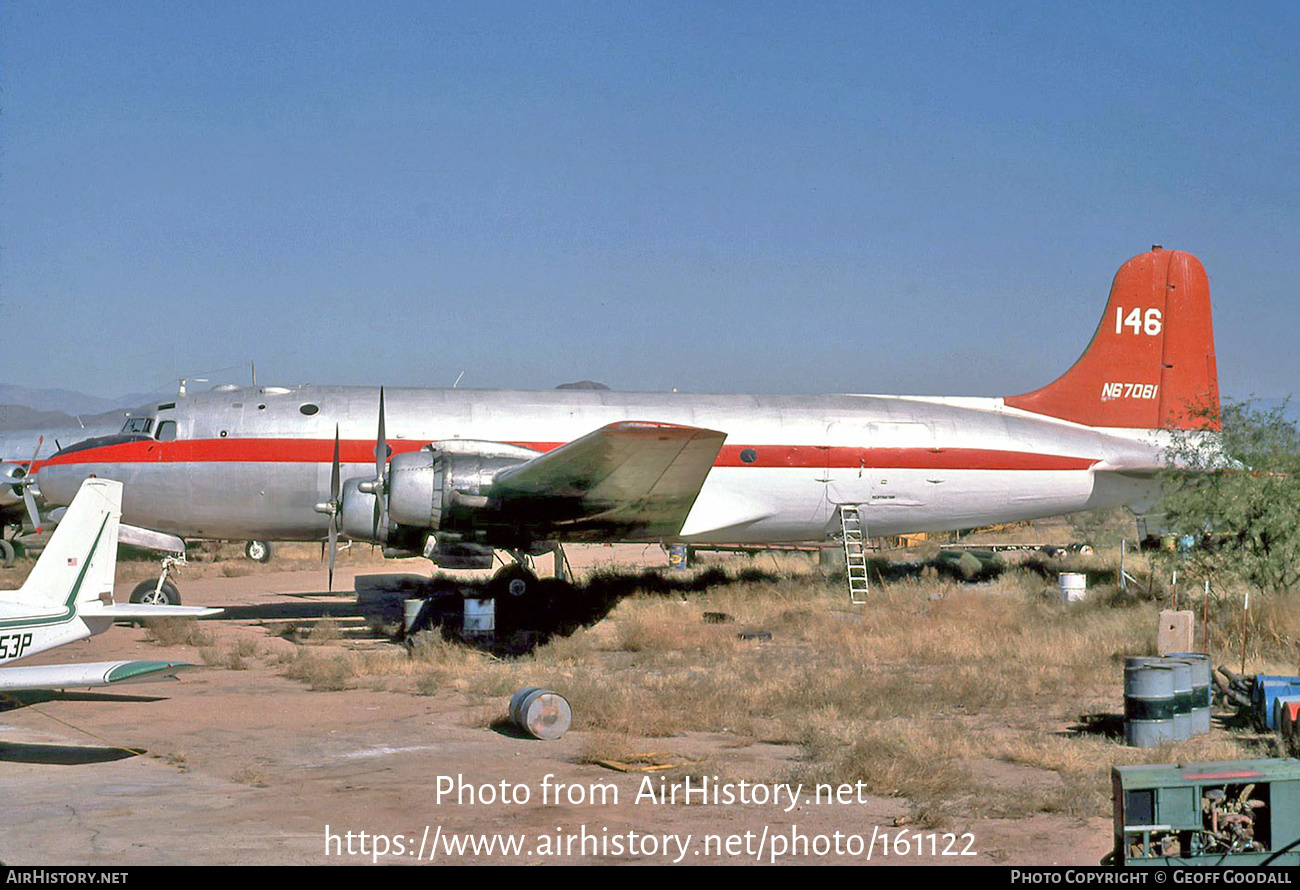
{"points": [[1149, 702]]}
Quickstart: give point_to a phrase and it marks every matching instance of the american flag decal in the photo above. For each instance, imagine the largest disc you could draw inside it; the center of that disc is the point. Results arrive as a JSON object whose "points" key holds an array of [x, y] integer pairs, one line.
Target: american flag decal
{"points": [[72, 561]]}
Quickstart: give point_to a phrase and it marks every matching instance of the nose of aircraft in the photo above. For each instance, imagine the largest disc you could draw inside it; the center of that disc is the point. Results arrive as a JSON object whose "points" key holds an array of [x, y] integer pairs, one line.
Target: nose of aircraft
{"points": [[60, 476]]}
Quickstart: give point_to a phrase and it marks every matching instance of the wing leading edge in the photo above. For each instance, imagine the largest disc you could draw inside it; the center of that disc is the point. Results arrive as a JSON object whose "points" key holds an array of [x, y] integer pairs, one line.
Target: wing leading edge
{"points": [[87, 676], [632, 480]]}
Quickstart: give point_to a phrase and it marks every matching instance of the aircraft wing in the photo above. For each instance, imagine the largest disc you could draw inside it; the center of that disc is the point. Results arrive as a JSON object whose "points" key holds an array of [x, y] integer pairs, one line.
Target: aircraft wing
{"points": [[631, 480], [93, 674]]}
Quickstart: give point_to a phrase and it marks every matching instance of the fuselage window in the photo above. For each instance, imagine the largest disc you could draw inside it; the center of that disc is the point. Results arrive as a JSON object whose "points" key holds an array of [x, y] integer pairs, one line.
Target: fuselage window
{"points": [[309, 409]]}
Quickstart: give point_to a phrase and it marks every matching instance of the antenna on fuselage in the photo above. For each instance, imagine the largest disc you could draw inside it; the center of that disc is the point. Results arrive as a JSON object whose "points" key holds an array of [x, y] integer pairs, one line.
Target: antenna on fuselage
{"points": [[185, 380]]}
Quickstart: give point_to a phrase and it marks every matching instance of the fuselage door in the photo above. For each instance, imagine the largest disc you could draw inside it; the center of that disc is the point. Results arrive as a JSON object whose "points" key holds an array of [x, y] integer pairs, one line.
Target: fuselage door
{"points": [[877, 463]]}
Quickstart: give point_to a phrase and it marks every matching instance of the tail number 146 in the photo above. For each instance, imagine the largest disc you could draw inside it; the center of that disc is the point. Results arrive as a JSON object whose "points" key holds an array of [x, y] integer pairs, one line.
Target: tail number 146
{"points": [[1150, 322]]}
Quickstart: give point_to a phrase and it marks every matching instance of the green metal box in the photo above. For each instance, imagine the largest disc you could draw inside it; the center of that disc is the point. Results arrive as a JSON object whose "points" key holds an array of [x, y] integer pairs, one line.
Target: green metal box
{"points": [[1228, 812]]}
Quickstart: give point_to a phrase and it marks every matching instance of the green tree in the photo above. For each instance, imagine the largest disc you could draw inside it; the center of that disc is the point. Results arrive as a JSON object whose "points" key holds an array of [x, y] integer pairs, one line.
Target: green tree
{"points": [[1239, 493]]}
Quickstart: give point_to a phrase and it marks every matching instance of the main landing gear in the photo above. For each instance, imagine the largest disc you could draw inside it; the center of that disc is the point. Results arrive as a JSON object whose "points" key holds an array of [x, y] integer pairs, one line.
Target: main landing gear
{"points": [[521, 601], [515, 581], [258, 551], [160, 592]]}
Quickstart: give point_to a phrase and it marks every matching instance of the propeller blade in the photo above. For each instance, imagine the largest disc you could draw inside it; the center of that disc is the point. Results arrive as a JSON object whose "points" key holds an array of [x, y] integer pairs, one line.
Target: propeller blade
{"points": [[381, 442], [381, 459], [29, 500], [334, 469], [334, 548], [32, 513], [336, 506]]}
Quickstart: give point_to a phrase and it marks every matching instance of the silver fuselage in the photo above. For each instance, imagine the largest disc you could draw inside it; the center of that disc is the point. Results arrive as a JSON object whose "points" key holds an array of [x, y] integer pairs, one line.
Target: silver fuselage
{"points": [[253, 463]]}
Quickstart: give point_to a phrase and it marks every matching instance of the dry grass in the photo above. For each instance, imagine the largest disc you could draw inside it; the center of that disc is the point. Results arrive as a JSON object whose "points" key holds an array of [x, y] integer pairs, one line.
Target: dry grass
{"points": [[326, 630], [176, 758], [322, 671], [231, 658], [965, 700], [250, 775], [598, 746], [177, 632]]}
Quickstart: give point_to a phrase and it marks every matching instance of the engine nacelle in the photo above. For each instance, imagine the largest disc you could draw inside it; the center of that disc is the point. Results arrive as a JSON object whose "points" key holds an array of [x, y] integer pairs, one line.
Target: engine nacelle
{"points": [[10, 494], [432, 487], [357, 515]]}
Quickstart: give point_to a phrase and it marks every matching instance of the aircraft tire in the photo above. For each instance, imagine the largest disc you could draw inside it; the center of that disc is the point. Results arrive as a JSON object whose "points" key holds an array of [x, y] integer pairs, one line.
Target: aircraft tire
{"points": [[513, 582], [7, 554], [258, 551], [144, 593]]}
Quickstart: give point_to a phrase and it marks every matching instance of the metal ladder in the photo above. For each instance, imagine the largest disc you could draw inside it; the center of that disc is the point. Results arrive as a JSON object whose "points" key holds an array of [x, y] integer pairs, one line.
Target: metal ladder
{"points": [[855, 553]]}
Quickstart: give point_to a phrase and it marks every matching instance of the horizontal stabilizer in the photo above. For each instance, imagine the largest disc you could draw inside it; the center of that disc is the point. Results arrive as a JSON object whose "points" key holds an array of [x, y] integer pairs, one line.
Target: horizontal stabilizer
{"points": [[133, 611], [83, 676], [632, 480], [149, 539]]}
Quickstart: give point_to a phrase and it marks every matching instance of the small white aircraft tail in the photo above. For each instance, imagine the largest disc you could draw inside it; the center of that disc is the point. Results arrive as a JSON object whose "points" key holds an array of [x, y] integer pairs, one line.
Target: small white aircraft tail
{"points": [[69, 596], [78, 564]]}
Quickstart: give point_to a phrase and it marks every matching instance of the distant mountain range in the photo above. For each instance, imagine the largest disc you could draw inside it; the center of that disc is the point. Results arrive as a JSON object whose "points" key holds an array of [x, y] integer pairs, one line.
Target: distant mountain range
{"points": [[24, 407]]}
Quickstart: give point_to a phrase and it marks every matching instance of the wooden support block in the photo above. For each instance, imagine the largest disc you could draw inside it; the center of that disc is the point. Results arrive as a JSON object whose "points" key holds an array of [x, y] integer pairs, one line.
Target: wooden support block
{"points": [[1176, 632]]}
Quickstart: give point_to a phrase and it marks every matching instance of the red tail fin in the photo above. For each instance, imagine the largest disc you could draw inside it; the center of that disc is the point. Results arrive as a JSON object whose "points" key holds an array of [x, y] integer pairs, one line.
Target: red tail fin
{"points": [[1151, 362]]}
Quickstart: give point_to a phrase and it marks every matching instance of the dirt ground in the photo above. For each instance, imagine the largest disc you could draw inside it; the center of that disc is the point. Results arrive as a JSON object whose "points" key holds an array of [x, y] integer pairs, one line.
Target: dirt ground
{"points": [[248, 767]]}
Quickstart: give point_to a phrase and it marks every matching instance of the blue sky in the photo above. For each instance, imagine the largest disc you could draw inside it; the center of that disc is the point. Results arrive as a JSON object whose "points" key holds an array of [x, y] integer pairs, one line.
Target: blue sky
{"points": [[784, 197]]}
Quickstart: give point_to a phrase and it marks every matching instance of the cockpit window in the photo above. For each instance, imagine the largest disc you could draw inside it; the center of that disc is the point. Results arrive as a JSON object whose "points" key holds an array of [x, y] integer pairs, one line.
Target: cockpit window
{"points": [[143, 425], [167, 431]]}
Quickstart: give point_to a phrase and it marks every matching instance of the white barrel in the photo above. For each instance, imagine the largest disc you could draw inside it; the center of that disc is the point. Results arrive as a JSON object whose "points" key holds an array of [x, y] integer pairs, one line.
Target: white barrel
{"points": [[541, 713], [479, 617], [1074, 586], [411, 610]]}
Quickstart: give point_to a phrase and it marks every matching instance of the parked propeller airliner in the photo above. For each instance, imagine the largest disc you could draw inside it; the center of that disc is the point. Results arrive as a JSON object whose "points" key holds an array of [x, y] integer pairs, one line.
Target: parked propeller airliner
{"points": [[475, 470], [69, 596]]}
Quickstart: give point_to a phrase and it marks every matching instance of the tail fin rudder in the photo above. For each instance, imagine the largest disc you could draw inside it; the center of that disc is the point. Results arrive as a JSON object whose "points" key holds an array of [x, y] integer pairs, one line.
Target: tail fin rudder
{"points": [[79, 562], [1150, 364]]}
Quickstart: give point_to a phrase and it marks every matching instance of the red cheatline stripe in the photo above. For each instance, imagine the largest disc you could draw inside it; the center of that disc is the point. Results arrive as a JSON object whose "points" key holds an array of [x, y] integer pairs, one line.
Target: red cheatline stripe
{"points": [[355, 451]]}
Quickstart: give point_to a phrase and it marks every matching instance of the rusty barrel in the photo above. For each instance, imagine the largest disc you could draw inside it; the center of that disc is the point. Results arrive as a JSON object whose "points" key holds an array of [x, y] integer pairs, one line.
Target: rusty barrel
{"points": [[1287, 717], [541, 713]]}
